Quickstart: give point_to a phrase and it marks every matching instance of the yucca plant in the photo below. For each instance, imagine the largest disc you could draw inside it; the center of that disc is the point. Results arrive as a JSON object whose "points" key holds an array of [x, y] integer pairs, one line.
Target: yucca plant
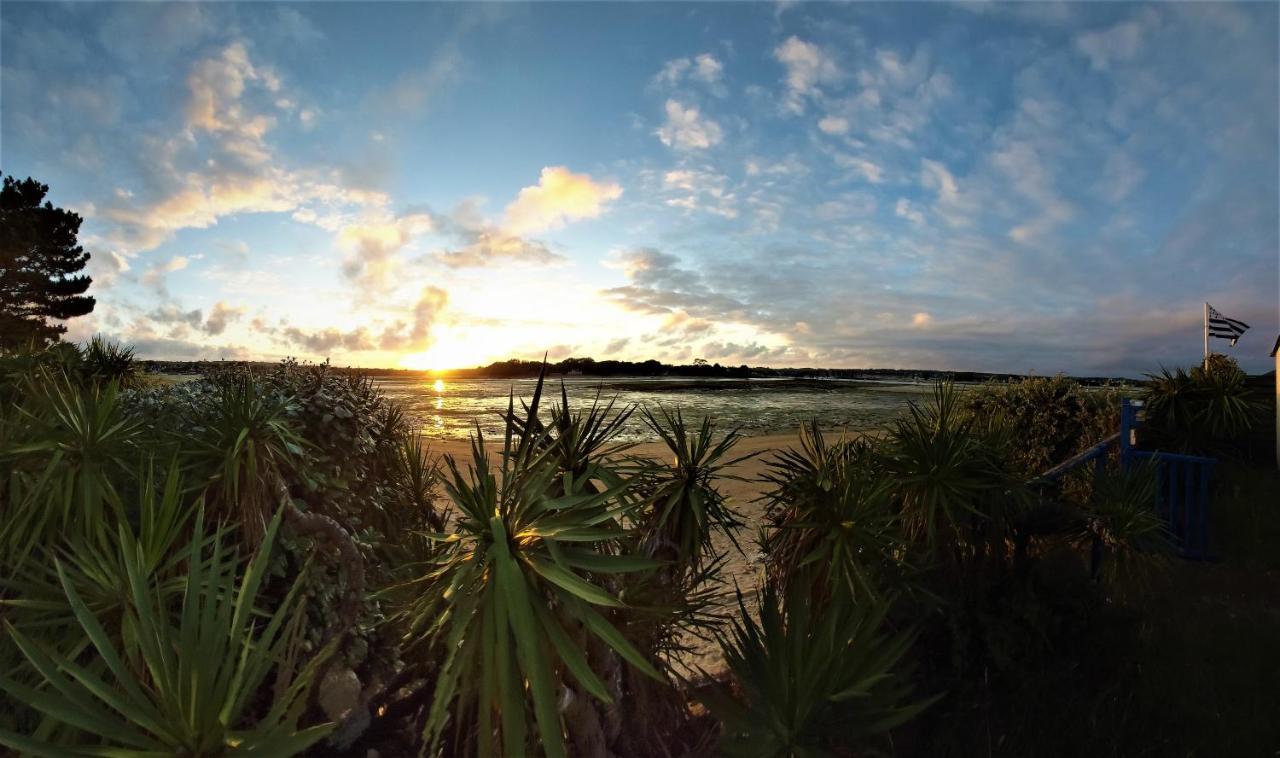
{"points": [[94, 563], [70, 447], [174, 686], [688, 507], [244, 445], [1126, 535], [811, 680], [105, 361], [515, 601], [418, 477], [951, 481], [831, 516], [1204, 410]]}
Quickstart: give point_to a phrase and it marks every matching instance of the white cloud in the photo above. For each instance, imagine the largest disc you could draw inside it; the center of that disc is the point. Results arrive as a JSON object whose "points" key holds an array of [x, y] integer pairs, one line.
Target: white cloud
{"points": [[869, 170], [155, 274], [935, 176], [807, 67], [905, 209], [373, 246], [216, 87], [834, 124], [559, 196], [700, 190], [1121, 42], [687, 129], [707, 68], [704, 68]]}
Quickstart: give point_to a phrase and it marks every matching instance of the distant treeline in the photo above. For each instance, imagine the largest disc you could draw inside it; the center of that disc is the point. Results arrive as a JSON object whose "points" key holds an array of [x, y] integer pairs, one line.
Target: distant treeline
{"points": [[517, 369]]}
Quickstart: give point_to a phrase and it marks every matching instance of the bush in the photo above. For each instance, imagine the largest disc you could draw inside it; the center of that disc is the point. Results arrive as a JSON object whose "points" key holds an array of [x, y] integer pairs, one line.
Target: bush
{"points": [[1207, 410]]}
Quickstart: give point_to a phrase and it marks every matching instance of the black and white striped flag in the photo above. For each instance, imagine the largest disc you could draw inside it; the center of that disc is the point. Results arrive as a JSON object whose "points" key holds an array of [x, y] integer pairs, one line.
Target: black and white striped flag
{"points": [[1222, 327]]}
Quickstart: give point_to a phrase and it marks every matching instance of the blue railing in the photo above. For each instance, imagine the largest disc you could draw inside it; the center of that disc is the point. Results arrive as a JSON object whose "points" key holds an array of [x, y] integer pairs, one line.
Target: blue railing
{"points": [[1184, 480]]}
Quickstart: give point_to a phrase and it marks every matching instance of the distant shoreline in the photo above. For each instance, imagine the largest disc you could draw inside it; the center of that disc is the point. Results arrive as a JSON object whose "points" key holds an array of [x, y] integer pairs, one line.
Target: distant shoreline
{"points": [[587, 368]]}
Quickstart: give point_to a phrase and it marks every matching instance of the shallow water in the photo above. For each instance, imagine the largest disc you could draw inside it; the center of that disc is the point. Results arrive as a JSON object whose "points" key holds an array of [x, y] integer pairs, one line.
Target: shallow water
{"points": [[446, 409]]}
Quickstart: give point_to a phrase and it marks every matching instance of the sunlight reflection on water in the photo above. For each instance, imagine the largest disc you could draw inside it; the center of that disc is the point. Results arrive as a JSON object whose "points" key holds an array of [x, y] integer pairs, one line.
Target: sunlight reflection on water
{"points": [[451, 409]]}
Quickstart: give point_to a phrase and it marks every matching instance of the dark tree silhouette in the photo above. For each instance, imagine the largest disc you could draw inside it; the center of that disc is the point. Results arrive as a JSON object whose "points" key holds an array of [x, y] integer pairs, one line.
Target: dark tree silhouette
{"points": [[39, 260]]}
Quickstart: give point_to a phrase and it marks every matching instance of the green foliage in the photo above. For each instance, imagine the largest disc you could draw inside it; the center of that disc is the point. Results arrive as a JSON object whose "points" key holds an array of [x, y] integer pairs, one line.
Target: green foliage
{"points": [[811, 680], [1206, 410], [40, 265], [832, 518], [104, 361], [513, 600], [66, 447], [244, 445], [183, 687], [1048, 419], [951, 478], [688, 507], [1122, 522]]}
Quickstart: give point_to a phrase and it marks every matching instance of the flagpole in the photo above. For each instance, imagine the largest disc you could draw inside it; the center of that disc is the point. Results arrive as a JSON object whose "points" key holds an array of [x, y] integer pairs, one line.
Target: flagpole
{"points": [[1206, 332]]}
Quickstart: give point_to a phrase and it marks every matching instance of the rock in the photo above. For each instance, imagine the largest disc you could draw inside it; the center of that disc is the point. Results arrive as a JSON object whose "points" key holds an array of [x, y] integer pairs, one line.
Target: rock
{"points": [[339, 693]]}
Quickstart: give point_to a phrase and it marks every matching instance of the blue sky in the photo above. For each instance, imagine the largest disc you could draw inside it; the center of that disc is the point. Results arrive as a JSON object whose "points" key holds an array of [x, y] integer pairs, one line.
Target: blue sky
{"points": [[1022, 187]]}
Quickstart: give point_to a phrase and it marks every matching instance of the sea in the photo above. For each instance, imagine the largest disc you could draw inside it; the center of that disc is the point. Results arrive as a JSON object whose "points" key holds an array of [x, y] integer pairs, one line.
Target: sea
{"points": [[443, 408]]}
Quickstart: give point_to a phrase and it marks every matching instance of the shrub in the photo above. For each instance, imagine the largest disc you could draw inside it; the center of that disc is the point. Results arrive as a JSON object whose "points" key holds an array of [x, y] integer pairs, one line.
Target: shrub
{"points": [[809, 680], [184, 688], [1206, 410], [1049, 420]]}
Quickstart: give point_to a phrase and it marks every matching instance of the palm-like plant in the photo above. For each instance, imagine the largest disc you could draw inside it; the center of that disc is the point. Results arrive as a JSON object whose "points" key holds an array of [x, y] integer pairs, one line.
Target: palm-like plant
{"points": [[950, 479], [172, 687], [1128, 537], [244, 446], [105, 361], [809, 678], [513, 599], [831, 516], [688, 507], [72, 445], [1203, 409], [94, 563]]}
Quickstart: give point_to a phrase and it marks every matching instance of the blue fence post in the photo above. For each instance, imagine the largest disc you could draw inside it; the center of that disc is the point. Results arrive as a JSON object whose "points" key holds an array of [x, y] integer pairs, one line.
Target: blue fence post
{"points": [[1129, 423]]}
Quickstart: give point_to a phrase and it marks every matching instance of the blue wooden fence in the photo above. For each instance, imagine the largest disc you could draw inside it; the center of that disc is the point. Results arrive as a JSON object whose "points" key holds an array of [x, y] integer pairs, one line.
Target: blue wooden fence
{"points": [[1184, 480]]}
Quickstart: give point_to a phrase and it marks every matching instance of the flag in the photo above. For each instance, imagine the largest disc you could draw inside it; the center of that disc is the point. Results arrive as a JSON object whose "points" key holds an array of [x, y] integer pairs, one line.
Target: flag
{"points": [[1222, 327]]}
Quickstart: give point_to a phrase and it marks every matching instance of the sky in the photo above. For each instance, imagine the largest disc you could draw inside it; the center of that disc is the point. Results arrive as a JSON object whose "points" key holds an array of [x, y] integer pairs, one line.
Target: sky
{"points": [[1027, 187]]}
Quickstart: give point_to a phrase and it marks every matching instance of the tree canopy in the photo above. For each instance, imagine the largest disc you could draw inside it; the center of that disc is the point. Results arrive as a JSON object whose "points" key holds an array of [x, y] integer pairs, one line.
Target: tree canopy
{"points": [[40, 258]]}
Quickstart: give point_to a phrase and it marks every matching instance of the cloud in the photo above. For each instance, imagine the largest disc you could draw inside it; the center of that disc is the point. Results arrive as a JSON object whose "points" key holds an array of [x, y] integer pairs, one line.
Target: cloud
{"points": [[373, 248], [216, 87], [413, 91], [905, 209], [869, 170], [704, 68], [807, 67], [220, 316], [1120, 42], [155, 274], [559, 196], [415, 335], [489, 247], [700, 190], [412, 334], [171, 314], [833, 125], [686, 128]]}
